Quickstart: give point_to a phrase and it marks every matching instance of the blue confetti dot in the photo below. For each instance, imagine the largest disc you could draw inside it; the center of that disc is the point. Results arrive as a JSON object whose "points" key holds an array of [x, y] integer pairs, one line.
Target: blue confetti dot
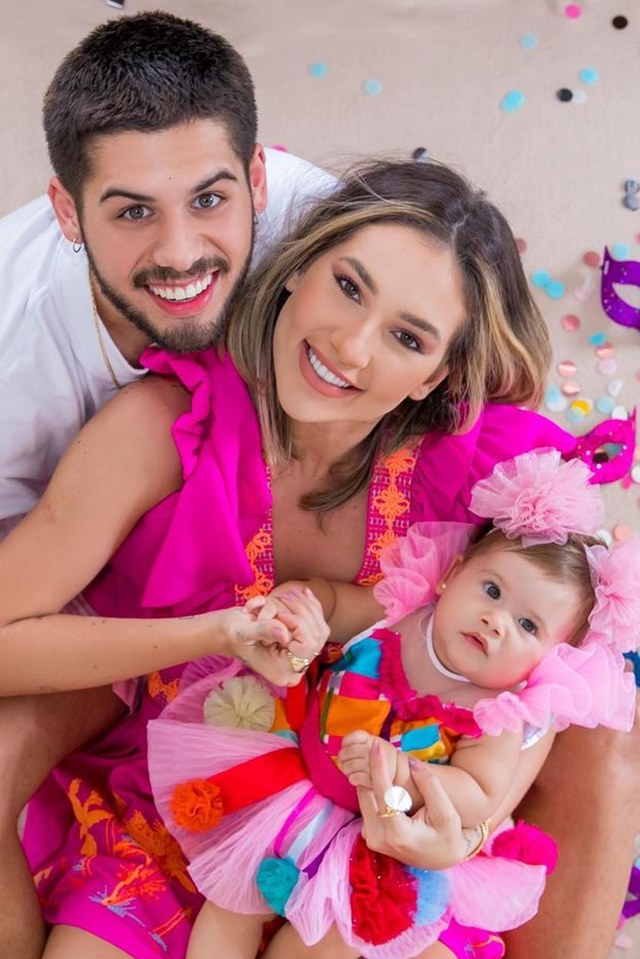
{"points": [[372, 87], [528, 41], [574, 415], [555, 289], [541, 278], [552, 393], [318, 69], [621, 251], [597, 339], [589, 75], [605, 404], [512, 101]]}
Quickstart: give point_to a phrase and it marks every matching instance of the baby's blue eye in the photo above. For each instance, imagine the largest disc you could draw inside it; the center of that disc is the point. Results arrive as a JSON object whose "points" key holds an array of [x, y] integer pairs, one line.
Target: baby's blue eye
{"points": [[492, 590], [528, 625]]}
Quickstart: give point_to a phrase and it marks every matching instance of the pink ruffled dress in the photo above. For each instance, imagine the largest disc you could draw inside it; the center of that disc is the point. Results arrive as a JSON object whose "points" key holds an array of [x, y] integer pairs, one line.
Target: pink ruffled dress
{"points": [[102, 859], [298, 848]]}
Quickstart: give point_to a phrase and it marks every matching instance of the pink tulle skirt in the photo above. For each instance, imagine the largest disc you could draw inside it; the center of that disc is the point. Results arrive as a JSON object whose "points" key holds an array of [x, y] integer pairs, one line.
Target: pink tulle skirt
{"points": [[314, 835]]}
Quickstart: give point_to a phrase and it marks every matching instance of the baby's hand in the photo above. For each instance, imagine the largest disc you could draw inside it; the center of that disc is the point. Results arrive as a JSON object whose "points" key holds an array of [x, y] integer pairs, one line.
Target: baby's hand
{"points": [[296, 607], [354, 758]]}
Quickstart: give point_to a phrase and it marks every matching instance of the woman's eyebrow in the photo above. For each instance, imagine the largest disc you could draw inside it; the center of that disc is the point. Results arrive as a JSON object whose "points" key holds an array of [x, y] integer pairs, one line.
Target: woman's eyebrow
{"points": [[417, 321]]}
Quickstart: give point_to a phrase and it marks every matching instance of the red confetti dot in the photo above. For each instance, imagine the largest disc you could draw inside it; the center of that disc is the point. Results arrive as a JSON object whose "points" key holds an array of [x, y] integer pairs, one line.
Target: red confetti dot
{"points": [[591, 258], [571, 323], [573, 11], [521, 244]]}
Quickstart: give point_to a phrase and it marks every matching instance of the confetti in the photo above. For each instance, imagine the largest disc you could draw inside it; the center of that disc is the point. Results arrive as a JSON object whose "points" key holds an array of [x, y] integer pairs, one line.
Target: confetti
{"points": [[512, 101], [635, 474], [420, 155], [571, 323], [614, 387], [606, 367], [573, 11], [318, 69], [605, 352], [589, 75], [528, 41], [541, 278], [570, 388], [597, 339], [591, 258], [621, 251], [564, 94], [583, 405], [521, 245], [554, 400], [605, 404], [566, 368], [555, 289], [621, 532], [619, 23], [372, 87], [579, 96]]}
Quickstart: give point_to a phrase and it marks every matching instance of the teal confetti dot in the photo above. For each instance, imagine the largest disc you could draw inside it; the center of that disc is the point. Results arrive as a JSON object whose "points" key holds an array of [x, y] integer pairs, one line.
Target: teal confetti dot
{"points": [[512, 101], [372, 87], [605, 404], [589, 75], [574, 415], [621, 251], [597, 339], [528, 41], [555, 289], [318, 69], [541, 278]]}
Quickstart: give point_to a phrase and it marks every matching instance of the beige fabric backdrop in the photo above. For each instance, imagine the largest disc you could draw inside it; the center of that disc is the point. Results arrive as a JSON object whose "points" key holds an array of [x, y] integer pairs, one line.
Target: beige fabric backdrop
{"points": [[440, 70]]}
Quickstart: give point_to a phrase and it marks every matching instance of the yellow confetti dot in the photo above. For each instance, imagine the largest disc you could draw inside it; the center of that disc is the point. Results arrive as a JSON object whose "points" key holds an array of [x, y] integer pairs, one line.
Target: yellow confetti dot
{"points": [[581, 406]]}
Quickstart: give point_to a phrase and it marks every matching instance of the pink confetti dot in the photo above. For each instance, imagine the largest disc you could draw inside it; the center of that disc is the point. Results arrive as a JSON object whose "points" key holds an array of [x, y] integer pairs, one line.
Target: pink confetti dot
{"points": [[591, 258], [570, 388], [605, 351], [521, 244], [607, 367], [280, 147], [573, 11], [621, 532], [571, 323], [566, 368], [638, 375]]}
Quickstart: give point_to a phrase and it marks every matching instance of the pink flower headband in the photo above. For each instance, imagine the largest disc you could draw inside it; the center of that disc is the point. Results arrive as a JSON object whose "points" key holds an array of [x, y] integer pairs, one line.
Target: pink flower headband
{"points": [[540, 498]]}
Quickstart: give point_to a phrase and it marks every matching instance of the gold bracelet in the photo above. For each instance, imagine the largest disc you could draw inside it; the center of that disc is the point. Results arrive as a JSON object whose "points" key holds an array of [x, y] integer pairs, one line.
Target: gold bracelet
{"points": [[484, 835]]}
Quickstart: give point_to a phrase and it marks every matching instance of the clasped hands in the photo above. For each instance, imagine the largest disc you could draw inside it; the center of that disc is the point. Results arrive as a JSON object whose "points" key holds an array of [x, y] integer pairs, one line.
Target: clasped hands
{"points": [[277, 635]]}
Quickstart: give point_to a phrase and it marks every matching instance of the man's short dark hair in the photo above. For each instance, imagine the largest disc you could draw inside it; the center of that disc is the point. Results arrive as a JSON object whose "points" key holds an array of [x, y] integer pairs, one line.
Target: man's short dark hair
{"points": [[146, 72]]}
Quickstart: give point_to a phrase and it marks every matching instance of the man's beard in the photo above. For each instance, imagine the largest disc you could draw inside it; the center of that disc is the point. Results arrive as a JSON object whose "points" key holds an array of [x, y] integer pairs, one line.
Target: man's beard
{"points": [[185, 337]]}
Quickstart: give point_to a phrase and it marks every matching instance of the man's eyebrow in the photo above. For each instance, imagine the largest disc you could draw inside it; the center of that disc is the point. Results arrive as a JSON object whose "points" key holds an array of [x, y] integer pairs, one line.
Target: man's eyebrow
{"points": [[417, 322], [210, 181]]}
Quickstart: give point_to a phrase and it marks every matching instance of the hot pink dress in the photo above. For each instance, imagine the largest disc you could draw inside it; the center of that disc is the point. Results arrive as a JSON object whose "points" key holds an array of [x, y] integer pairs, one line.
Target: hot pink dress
{"points": [[101, 857]]}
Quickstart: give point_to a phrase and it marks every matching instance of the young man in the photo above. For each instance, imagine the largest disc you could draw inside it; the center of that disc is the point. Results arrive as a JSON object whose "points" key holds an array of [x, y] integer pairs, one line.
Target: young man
{"points": [[146, 236]]}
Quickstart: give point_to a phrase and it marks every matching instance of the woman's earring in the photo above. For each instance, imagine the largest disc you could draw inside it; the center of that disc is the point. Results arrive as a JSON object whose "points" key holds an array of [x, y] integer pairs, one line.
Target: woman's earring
{"points": [[77, 245]]}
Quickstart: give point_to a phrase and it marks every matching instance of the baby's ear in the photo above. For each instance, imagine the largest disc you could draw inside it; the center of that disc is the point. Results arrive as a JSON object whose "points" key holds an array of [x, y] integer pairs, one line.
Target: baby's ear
{"points": [[452, 569]]}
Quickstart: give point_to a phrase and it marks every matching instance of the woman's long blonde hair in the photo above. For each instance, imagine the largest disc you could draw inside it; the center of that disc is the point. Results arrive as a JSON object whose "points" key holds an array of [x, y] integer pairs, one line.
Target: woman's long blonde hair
{"points": [[501, 353]]}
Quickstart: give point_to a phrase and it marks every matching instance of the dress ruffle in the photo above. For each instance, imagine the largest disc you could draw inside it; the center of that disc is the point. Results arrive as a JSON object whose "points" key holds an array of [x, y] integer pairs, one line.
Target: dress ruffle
{"points": [[413, 566], [586, 686]]}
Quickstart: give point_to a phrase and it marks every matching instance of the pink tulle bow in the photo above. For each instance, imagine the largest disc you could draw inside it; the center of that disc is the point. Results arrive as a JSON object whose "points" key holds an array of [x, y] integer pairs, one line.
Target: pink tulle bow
{"points": [[539, 497], [615, 618], [586, 685], [415, 564]]}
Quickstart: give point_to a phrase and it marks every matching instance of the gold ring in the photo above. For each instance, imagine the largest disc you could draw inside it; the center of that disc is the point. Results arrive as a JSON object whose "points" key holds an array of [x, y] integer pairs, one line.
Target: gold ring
{"points": [[388, 812], [298, 663]]}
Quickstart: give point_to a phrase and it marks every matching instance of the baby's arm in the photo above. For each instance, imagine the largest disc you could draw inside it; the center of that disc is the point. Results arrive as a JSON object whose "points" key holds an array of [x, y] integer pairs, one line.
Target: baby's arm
{"points": [[476, 780]]}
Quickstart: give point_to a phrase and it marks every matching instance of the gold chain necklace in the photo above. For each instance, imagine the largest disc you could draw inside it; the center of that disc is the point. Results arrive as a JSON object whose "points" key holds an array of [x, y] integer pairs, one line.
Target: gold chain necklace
{"points": [[105, 356]]}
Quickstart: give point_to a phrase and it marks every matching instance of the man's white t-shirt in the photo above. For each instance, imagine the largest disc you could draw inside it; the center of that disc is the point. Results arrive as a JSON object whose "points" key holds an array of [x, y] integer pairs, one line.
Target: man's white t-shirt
{"points": [[53, 376]]}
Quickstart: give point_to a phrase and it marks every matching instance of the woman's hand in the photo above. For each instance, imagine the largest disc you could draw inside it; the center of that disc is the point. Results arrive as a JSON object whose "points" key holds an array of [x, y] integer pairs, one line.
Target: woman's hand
{"points": [[431, 838]]}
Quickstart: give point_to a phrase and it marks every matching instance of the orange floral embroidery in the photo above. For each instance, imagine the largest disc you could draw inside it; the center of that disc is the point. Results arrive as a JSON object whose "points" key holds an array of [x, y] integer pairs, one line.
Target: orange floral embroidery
{"points": [[159, 690], [259, 555], [160, 846], [390, 502], [88, 814]]}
